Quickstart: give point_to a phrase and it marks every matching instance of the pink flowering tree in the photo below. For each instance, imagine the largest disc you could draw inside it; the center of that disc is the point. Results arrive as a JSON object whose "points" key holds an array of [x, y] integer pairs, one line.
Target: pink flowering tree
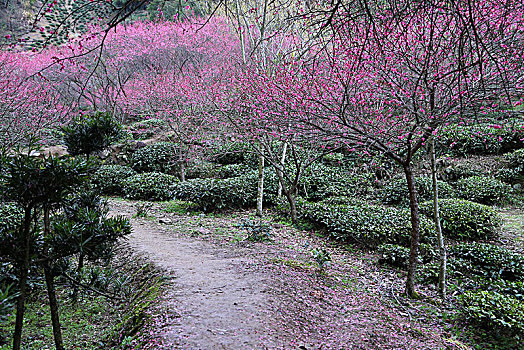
{"points": [[387, 82]]}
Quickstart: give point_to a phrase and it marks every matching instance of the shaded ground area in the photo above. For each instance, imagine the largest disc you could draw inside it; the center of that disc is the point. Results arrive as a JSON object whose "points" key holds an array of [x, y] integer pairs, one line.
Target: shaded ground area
{"points": [[228, 293]]}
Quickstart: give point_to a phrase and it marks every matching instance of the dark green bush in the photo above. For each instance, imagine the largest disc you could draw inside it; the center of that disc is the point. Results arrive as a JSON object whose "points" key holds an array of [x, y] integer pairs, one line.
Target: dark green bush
{"points": [[460, 171], [368, 225], [160, 157], [492, 309], [487, 261], [481, 139], [513, 170], [321, 182], [217, 194], [398, 256], [202, 170], [109, 179], [482, 189], [231, 153], [91, 134], [150, 186], [11, 216], [462, 219], [396, 192]]}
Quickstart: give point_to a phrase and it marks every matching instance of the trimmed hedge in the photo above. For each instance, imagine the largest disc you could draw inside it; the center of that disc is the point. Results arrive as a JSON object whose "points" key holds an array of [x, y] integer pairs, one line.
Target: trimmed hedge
{"points": [[109, 179], [481, 139], [145, 129], [462, 219], [160, 157], [491, 309], [397, 192], [483, 189], [150, 186], [369, 225], [217, 194]]}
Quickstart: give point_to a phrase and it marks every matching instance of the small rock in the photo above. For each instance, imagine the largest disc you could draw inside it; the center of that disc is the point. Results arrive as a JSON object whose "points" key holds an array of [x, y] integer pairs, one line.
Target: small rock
{"points": [[202, 230], [165, 221], [140, 144]]}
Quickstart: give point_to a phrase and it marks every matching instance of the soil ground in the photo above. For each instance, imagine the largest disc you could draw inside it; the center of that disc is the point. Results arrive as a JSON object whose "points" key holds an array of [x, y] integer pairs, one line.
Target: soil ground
{"points": [[229, 293]]}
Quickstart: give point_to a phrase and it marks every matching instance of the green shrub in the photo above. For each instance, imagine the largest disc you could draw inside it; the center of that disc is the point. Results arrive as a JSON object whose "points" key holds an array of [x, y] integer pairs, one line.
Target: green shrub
{"points": [[230, 153], [481, 139], [202, 170], [368, 225], [513, 170], [321, 182], [257, 230], [398, 256], [217, 194], [11, 216], [150, 186], [145, 129], [396, 192], [109, 179], [482, 189], [492, 309], [160, 157], [487, 261], [462, 219], [460, 171], [91, 134]]}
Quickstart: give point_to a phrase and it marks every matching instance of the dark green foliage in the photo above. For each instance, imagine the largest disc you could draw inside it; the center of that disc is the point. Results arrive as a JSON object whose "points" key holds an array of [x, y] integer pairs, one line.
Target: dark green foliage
{"points": [[91, 134], [465, 220], [461, 171], [398, 256], [202, 170], [369, 225], [109, 179], [396, 192], [217, 194], [513, 170], [488, 261], [483, 189], [7, 301], [11, 217], [160, 157], [233, 170], [493, 310], [257, 230], [150, 186], [321, 182], [481, 139], [145, 129], [233, 153]]}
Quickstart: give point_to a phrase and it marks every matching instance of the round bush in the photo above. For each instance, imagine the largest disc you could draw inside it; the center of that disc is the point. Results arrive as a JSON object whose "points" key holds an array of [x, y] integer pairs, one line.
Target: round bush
{"points": [[150, 186], [397, 192], [462, 219], [368, 225], [160, 157], [483, 189], [109, 179]]}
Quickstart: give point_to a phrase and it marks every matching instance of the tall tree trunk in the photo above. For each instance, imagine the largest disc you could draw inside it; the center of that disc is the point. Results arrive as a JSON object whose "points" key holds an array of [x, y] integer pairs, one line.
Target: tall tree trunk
{"points": [[260, 191], [182, 171], [24, 271], [53, 307], [438, 227], [282, 162], [415, 231], [51, 292], [78, 272], [290, 195]]}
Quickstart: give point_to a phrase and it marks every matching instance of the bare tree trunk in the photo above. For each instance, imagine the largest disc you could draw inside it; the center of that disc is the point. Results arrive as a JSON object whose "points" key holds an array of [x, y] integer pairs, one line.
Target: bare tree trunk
{"points": [[438, 227], [78, 279], [260, 192], [24, 271], [292, 206], [53, 307], [182, 171], [282, 161], [415, 232]]}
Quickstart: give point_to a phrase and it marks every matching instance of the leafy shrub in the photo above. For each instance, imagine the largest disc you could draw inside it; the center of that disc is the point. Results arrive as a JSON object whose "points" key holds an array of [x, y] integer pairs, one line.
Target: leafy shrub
{"points": [[481, 139], [321, 182], [460, 171], [233, 170], [492, 309], [396, 192], [462, 219], [217, 194], [513, 171], [369, 225], [145, 129], [159, 157], [11, 216], [398, 256], [202, 170], [230, 153], [482, 189], [488, 261], [109, 179], [91, 134], [257, 230], [150, 186]]}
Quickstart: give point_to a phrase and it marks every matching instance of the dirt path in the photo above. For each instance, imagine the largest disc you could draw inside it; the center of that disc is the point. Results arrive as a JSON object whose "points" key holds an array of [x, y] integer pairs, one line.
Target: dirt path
{"points": [[230, 294]]}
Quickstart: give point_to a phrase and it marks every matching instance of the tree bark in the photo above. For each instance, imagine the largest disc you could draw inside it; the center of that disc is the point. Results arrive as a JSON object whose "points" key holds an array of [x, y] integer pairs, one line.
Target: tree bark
{"points": [[292, 206], [438, 227], [260, 191], [182, 171], [282, 162], [415, 232], [24, 271]]}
